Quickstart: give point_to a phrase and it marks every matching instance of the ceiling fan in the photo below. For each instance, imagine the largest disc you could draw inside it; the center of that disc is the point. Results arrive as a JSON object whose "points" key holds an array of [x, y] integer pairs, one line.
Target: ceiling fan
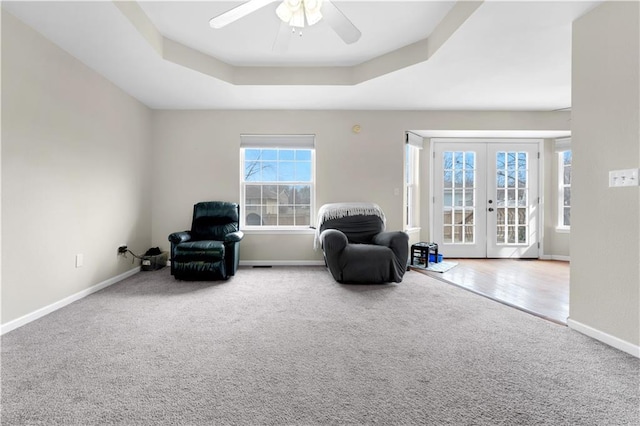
{"points": [[294, 14]]}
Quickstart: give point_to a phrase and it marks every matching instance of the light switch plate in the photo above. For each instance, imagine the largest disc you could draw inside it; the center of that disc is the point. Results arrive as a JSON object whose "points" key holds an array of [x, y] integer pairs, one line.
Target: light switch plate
{"points": [[626, 177]]}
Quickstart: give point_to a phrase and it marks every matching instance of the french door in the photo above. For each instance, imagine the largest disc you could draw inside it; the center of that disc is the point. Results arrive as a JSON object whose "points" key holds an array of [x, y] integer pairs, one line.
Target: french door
{"points": [[485, 201]]}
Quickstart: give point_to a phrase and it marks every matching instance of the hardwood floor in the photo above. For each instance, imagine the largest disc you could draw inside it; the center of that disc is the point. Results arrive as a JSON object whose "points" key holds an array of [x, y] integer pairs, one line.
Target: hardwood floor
{"points": [[540, 287]]}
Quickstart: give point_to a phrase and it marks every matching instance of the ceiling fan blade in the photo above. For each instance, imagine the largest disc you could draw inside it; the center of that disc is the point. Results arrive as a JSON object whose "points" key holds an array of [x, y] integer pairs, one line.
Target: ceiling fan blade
{"points": [[238, 12], [340, 23], [281, 44]]}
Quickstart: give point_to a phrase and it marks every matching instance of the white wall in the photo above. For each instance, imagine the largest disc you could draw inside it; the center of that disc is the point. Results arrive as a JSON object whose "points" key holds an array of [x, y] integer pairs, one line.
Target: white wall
{"points": [[605, 234], [196, 158], [75, 174]]}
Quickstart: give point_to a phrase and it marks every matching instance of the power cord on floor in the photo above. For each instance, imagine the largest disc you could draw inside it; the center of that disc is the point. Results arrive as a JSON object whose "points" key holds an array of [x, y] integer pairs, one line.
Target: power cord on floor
{"points": [[154, 251], [135, 256]]}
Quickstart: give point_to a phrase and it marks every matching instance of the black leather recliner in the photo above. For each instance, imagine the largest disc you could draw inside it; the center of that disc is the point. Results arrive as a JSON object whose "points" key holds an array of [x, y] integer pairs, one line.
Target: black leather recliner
{"points": [[356, 247], [210, 251]]}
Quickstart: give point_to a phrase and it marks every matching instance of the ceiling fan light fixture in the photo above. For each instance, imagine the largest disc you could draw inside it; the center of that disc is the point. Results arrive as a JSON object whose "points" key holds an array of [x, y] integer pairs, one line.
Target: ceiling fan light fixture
{"points": [[294, 12], [312, 11], [284, 12], [297, 19]]}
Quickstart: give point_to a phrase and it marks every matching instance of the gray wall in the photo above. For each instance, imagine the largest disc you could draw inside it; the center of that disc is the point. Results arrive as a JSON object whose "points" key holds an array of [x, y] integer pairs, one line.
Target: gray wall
{"points": [[196, 158], [605, 136], [75, 173], [556, 243]]}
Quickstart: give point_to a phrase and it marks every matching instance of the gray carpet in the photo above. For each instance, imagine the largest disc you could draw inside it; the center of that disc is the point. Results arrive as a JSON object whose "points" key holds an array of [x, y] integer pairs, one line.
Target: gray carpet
{"points": [[289, 346]]}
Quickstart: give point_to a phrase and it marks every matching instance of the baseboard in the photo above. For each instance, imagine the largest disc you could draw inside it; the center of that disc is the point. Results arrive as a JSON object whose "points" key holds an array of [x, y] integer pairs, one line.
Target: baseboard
{"points": [[19, 322], [555, 257], [610, 340], [282, 263], [562, 258]]}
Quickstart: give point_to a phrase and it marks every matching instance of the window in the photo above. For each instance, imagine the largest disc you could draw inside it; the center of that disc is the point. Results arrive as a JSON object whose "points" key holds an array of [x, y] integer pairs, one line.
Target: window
{"points": [[563, 148], [277, 181], [564, 178], [411, 155], [411, 181]]}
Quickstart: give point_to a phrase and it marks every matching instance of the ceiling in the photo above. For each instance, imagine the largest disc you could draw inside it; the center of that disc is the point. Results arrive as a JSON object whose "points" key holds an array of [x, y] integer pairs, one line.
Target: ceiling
{"points": [[413, 55]]}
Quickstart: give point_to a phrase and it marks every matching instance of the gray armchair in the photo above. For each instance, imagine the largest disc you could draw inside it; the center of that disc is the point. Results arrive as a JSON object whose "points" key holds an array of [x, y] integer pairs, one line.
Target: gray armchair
{"points": [[356, 247]]}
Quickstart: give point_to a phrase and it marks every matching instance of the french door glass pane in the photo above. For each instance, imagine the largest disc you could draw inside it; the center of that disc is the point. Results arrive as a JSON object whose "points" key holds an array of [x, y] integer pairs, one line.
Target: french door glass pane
{"points": [[512, 197], [470, 217], [457, 234], [459, 196], [458, 217], [469, 197], [447, 234], [500, 216], [447, 218], [448, 179]]}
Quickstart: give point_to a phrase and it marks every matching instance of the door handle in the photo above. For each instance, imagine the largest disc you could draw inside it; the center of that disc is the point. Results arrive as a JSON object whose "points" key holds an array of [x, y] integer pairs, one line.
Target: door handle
{"points": [[490, 209]]}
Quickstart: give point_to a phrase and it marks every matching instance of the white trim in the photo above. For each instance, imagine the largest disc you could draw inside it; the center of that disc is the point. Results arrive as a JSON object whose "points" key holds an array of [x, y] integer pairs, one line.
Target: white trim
{"points": [[282, 263], [519, 134], [19, 322], [555, 257], [413, 231], [415, 140], [411, 196], [562, 144], [610, 340], [278, 141], [561, 258], [537, 141], [541, 198], [432, 197], [276, 230], [563, 229]]}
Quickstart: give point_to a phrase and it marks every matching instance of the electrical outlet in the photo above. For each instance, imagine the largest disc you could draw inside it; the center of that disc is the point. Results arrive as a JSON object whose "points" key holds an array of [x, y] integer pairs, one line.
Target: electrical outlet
{"points": [[79, 260], [122, 249]]}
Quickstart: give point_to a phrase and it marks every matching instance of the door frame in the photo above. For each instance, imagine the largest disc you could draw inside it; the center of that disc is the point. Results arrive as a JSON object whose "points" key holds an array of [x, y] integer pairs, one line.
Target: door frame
{"points": [[541, 167]]}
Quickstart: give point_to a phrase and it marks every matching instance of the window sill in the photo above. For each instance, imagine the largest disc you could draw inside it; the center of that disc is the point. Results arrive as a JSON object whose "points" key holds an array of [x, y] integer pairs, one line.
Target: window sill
{"points": [[563, 230], [278, 231]]}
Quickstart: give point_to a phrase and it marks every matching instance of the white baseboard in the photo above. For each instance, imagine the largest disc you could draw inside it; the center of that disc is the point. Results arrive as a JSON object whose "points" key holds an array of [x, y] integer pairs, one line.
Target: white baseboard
{"points": [[562, 258], [282, 263], [610, 340], [555, 257], [19, 322]]}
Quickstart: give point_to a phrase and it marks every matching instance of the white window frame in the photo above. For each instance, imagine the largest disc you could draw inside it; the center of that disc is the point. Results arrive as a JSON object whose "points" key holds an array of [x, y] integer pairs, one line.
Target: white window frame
{"points": [[562, 146], [279, 142], [414, 143]]}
